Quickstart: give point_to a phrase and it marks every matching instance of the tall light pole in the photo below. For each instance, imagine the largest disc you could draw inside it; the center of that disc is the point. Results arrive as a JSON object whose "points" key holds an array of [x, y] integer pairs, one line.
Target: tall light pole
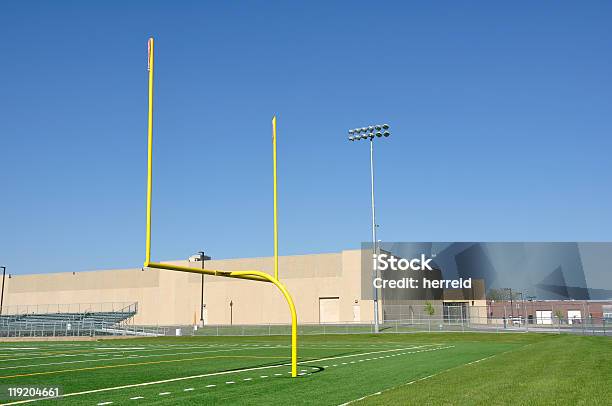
{"points": [[369, 133]]}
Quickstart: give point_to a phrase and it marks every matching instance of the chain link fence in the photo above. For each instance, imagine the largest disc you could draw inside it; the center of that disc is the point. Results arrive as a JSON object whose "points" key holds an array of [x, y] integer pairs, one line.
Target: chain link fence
{"points": [[593, 326], [111, 319]]}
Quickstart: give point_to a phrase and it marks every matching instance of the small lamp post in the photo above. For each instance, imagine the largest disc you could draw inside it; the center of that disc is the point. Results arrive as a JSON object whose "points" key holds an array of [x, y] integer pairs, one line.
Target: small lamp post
{"points": [[200, 257], [231, 313]]}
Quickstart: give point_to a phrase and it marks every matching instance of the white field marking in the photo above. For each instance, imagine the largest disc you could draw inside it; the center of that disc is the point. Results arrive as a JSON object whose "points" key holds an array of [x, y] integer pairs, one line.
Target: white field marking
{"points": [[264, 376], [210, 386], [46, 350], [101, 345], [41, 355], [119, 355], [418, 380], [247, 379], [96, 353], [164, 393], [479, 360], [136, 398], [104, 403], [230, 382], [278, 374], [147, 347], [187, 389], [361, 398], [183, 378]]}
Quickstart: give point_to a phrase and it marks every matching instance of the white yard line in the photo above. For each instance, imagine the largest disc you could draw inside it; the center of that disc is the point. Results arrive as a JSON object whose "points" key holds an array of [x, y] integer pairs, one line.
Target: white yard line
{"points": [[41, 355], [130, 357], [184, 378], [365, 353], [95, 352], [134, 356], [114, 348]]}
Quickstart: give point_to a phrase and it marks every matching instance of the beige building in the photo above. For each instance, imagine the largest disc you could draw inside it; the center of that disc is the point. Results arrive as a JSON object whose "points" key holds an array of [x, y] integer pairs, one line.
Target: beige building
{"points": [[325, 287]]}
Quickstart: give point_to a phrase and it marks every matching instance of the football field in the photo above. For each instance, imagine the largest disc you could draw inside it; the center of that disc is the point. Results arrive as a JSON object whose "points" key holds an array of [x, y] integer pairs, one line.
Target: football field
{"points": [[466, 368]]}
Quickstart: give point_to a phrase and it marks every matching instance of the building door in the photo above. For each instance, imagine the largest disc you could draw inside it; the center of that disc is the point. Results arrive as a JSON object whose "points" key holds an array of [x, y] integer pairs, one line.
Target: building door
{"points": [[329, 309], [543, 316], [204, 315], [574, 317], [356, 312]]}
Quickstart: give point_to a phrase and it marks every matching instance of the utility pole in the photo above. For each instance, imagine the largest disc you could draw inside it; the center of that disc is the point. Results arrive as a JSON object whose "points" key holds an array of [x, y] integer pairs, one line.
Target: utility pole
{"points": [[200, 257], [2, 294]]}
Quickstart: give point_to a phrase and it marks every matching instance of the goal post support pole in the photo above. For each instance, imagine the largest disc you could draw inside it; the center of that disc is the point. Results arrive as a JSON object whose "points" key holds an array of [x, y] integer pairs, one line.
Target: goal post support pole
{"points": [[254, 276]]}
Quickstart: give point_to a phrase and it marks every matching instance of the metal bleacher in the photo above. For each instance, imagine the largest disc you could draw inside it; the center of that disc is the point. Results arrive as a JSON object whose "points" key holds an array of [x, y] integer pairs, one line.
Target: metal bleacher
{"points": [[91, 319]]}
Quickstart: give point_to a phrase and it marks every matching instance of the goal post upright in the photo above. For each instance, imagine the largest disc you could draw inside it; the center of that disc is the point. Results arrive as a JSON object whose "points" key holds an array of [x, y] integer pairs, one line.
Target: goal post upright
{"points": [[253, 275], [275, 199], [150, 58]]}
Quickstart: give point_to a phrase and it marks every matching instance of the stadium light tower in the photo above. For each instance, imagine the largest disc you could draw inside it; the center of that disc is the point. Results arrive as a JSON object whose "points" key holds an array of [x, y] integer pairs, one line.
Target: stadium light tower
{"points": [[370, 133]]}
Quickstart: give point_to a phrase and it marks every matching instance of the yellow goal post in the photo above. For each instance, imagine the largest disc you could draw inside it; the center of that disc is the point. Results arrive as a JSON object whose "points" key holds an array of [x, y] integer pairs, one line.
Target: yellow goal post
{"points": [[253, 275]]}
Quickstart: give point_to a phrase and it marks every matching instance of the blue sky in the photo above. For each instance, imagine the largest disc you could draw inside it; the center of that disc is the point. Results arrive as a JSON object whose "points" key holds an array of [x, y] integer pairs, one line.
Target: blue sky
{"points": [[501, 117]]}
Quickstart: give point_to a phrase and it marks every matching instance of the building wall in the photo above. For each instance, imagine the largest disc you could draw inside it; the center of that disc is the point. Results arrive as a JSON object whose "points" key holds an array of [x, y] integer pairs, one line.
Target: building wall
{"points": [[169, 297], [518, 308], [173, 298]]}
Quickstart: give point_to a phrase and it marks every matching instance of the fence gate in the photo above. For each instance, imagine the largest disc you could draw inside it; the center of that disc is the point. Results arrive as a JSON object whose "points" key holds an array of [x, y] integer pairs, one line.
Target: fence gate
{"points": [[455, 312]]}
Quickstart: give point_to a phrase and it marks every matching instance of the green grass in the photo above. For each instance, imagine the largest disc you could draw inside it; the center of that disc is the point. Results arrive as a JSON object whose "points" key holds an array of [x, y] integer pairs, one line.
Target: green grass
{"points": [[511, 369], [560, 370]]}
